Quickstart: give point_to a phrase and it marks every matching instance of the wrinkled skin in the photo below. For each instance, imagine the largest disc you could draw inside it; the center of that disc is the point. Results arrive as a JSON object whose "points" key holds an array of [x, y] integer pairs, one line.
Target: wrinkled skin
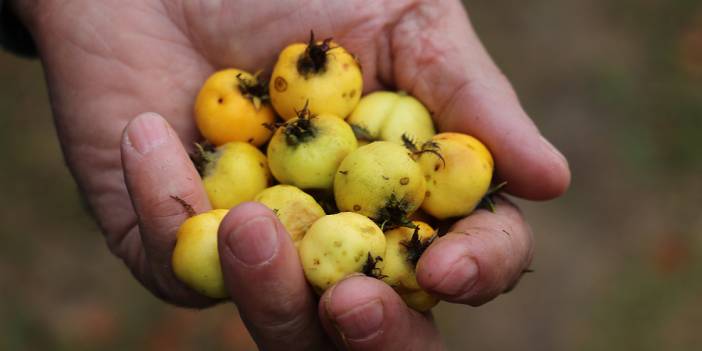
{"points": [[109, 61]]}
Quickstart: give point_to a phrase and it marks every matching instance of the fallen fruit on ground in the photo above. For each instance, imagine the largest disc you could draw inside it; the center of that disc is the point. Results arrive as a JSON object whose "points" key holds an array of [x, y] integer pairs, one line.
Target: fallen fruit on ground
{"points": [[195, 257], [338, 245], [233, 106], [295, 209]]}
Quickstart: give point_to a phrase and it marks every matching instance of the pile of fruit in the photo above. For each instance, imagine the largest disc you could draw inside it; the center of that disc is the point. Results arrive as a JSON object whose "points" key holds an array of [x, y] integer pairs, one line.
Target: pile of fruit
{"points": [[357, 179]]}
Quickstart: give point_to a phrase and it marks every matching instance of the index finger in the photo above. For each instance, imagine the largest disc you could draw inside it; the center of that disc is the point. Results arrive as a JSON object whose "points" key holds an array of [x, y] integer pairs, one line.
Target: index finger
{"points": [[157, 169]]}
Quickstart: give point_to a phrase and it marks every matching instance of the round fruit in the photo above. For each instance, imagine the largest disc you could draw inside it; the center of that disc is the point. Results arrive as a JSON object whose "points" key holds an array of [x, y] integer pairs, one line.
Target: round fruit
{"points": [[195, 257], [459, 178], [306, 151], [404, 248], [232, 106], [322, 74], [386, 115], [296, 209], [381, 181], [233, 173], [419, 300], [338, 245]]}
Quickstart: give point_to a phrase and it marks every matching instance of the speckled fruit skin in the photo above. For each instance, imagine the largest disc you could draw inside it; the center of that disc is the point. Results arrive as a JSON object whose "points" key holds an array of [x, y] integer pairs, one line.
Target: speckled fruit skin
{"points": [[311, 164], [295, 209], [338, 245], [374, 173], [455, 188], [223, 114], [195, 257], [335, 90]]}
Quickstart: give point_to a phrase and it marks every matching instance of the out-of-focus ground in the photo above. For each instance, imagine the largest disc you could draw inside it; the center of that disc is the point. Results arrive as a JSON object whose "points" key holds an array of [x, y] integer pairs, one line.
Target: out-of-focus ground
{"points": [[617, 85]]}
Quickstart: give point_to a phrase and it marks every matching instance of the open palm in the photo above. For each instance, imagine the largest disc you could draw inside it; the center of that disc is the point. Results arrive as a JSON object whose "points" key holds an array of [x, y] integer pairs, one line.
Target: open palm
{"points": [[110, 61]]}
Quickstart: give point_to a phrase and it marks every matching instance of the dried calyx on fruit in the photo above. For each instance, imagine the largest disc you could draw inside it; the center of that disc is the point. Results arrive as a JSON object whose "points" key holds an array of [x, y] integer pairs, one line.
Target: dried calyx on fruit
{"points": [[301, 129], [371, 269], [362, 133], [488, 201], [415, 247], [394, 214], [314, 59], [204, 155], [428, 146], [254, 88]]}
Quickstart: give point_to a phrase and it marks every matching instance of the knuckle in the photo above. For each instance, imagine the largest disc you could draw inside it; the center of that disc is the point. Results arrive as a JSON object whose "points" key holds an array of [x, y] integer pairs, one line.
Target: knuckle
{"points": [[500, 256]]}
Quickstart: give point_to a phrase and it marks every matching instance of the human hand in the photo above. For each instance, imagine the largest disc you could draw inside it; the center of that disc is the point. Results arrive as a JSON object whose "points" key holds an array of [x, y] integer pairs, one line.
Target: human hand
{"points": [[109, 61]]}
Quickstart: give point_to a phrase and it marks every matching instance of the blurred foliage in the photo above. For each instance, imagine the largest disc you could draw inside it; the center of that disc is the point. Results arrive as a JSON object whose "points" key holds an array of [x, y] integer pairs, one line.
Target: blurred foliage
{"points": [[655, 304], [617, 85], [668, 122]]}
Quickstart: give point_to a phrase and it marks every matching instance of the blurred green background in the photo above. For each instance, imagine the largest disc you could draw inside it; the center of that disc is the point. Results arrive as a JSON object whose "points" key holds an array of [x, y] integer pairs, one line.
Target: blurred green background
{"points": [[617, 85]]}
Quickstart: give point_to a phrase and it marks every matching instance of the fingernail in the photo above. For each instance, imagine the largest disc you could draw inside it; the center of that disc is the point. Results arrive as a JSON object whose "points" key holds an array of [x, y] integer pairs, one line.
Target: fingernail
{"points": [[361, 322], [147, 132], [459, 279], [254, 242], [552, 149]]}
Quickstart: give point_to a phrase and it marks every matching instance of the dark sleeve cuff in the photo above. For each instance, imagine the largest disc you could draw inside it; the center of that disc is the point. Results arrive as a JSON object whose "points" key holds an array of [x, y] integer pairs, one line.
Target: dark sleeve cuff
{"points": [[14, 37]]}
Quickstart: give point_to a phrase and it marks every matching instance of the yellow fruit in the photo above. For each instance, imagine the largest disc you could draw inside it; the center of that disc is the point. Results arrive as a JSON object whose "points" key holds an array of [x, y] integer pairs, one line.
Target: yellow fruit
{"points": [[402, 252], [296, 209], [381, 181], [322, 74], [338, 245], [306, 151], [456, 185], [362, 142], [231, 107], [234, 173], [386, 115], [419, 300], [195, 257]]}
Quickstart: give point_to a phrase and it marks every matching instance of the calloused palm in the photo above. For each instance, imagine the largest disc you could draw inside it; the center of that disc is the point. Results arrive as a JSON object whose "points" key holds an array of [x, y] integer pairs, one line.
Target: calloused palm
{"points": [[111, 60]]}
